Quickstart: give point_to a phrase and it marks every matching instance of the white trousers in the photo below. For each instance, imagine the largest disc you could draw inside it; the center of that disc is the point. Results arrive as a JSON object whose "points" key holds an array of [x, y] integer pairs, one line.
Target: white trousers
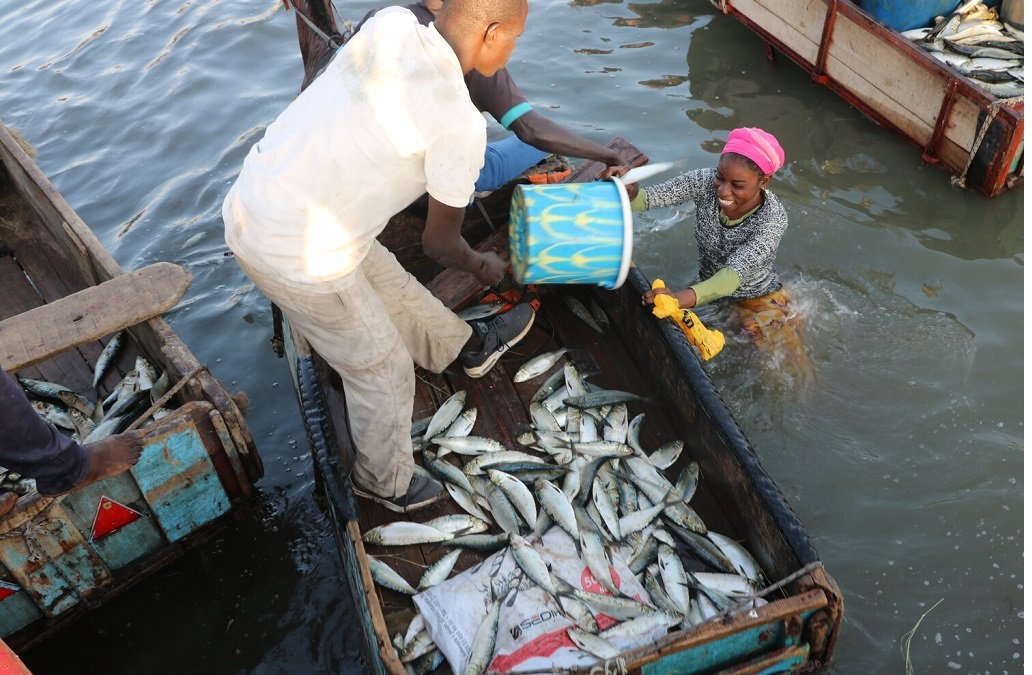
{"points": [[370, 329]]}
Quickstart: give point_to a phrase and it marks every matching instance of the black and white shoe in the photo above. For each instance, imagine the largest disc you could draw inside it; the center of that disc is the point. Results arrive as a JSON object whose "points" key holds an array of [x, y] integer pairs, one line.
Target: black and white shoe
{"points": [[498, 335], [422, 491]]}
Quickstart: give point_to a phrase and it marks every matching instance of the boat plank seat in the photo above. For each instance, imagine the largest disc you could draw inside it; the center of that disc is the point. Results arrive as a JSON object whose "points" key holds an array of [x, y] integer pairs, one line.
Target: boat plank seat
{"points": [[87, 315]]}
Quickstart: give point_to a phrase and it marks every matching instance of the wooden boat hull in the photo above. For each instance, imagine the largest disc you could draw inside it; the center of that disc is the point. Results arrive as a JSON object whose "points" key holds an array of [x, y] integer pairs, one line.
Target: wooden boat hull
{"points": [[796, 632], [976, 137], [61, 557]]}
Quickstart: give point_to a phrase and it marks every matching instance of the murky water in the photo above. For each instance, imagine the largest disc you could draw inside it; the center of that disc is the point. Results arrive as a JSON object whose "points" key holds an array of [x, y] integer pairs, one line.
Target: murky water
{"points": [[904, 459]]}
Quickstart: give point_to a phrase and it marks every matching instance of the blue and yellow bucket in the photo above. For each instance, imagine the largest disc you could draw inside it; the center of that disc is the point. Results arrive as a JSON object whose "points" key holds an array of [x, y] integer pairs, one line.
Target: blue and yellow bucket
{"points": [[571, 233]]}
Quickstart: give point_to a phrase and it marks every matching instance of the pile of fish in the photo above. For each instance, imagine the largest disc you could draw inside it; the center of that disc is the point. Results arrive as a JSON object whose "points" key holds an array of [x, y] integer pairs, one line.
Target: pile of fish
{"points": [[87, 420], [974, 42], [581, 468]]}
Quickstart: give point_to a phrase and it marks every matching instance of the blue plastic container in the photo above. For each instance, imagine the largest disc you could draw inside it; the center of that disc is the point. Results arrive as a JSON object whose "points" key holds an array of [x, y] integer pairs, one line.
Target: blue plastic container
{"points": [[907, 14], [571, 233]]}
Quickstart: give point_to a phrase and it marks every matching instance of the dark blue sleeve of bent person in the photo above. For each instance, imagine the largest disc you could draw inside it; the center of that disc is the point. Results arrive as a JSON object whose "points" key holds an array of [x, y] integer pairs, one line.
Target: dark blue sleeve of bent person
{"points": [[33, 447]]}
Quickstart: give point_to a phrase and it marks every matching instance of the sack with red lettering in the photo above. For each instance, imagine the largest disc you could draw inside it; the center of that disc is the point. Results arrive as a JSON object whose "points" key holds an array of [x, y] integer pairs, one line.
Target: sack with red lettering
{"points": [[531, 633]]}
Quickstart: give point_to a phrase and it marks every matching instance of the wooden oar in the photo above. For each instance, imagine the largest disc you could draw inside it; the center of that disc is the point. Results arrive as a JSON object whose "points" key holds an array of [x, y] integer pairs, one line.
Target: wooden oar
{"points": [[90, 314]]}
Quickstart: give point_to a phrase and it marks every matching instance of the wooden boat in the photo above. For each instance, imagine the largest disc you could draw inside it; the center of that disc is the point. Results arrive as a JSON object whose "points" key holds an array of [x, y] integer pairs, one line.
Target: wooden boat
{"points": [[64, 296], [796, 631], [975, 136]]}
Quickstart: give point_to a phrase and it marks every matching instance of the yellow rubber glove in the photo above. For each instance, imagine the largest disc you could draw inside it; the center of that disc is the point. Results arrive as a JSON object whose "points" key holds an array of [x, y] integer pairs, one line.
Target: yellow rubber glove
{"points": [[709, 342]]}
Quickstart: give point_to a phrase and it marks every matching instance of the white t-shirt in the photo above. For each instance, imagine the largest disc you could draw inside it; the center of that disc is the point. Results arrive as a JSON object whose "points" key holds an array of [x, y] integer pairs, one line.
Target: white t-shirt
{"points": [[388, 120]]}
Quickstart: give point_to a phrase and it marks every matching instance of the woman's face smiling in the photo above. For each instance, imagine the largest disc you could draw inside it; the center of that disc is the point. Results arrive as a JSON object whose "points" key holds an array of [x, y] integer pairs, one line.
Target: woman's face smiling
{"points": [[738, 186]]}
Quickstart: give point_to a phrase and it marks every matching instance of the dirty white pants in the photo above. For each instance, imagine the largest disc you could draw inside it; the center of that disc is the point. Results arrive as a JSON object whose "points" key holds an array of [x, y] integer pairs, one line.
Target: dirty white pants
{"points": [[378, 321]]}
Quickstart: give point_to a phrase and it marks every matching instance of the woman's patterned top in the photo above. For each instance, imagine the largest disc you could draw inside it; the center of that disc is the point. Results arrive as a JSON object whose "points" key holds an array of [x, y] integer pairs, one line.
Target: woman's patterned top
{"points": [[748, 248]]}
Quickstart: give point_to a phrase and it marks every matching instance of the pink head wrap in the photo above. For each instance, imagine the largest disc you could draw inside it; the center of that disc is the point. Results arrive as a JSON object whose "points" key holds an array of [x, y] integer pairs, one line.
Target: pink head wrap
{"points": [[757, 145]]}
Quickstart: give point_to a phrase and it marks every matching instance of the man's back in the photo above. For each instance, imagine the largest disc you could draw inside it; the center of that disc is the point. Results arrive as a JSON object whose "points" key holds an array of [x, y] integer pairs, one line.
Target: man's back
{"points": [[387, 121]]}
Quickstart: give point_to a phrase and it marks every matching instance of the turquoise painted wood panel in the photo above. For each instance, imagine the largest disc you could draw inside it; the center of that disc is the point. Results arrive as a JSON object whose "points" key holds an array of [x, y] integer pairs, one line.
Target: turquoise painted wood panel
{"points": [[179, 482], [729, 650], [50, 560], [725, 651], [17, 610], [130, 542]]}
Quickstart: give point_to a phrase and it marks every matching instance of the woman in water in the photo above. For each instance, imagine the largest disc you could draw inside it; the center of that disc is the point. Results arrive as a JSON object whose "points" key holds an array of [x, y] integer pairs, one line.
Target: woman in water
{"points": [[739, 224]]}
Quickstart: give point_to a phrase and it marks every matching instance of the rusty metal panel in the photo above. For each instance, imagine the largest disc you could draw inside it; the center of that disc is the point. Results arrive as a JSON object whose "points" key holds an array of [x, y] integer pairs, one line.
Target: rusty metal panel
{"points": [[49, 558], [178, 480], [16, 607], [127, 543]]}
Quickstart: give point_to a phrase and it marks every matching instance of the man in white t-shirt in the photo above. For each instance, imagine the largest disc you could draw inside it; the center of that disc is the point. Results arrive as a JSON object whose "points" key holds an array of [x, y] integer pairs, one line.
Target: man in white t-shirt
{"points": [[389, 120]]}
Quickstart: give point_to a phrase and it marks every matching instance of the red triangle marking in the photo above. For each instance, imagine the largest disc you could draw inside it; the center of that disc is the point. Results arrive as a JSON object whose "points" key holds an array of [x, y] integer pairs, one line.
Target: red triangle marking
{"points": [[111, 516], [7, 589]]}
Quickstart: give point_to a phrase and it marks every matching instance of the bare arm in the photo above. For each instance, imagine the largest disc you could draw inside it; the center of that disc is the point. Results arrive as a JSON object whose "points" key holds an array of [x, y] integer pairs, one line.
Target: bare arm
{"points": [[443, 242], [535, 129]]}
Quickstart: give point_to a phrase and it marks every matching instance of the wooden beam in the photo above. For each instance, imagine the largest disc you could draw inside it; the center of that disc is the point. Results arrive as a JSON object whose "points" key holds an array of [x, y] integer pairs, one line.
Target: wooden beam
{"points": [[90, 314]]}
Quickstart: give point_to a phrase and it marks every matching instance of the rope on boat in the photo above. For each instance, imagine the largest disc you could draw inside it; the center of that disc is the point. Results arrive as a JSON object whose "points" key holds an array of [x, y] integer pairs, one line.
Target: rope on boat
{"points": [[173, 390], [334, 41], [803, 571], [34, 528], [960, 180]]}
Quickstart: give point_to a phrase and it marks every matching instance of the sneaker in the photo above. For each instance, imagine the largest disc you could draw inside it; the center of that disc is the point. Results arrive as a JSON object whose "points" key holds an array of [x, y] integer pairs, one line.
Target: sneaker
{"points": [[422, 491], [498, 335]]}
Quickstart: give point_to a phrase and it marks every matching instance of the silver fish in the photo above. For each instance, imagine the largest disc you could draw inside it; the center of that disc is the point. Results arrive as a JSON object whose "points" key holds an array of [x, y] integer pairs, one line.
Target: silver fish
{"points": [[577, 611], [426, 664], [107, 356], [502, 510], [518, 493], [641, 625], [598, 314], [655, 589], [482, 650], [481, 542], [582, 313], [404, 533], [558, 507], [593, 644], [478, 465], [597, 399], [616, 424], [538, 365], [147, 372], [593, 551], [446, 471], [385, 575], [617, 607], [421, 645], [732, 585], [542, 418], [554, 381], [481, 311], [738, 555], [704, 549], [465, 500], [463, 424], [468, 445], [75, 401], [458, 523], [674, 577], [56, 415], [666, 455], [446, 414], [439, 571], [531, 562]]}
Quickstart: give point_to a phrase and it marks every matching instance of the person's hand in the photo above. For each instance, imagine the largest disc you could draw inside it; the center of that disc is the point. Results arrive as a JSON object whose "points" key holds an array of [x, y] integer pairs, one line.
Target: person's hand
{"points": [[686, 298], [615, 170], [491, 270], [650, 296]]}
